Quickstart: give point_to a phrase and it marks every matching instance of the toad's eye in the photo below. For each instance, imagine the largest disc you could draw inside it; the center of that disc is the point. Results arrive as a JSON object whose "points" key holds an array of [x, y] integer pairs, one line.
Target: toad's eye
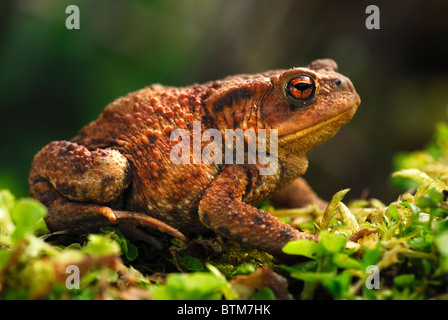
{"points": [[301, 88]]}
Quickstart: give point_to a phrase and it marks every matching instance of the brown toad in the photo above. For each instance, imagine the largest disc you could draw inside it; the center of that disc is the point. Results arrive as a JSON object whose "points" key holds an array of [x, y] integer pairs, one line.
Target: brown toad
{"points": [[119, 169]]}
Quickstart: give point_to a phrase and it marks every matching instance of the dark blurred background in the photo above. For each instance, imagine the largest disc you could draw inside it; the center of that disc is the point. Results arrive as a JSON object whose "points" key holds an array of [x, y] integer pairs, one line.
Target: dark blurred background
{"points": [[53, 80]]}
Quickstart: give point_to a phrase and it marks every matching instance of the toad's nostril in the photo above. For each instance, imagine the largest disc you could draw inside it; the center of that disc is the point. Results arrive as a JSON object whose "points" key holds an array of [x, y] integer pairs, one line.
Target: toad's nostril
{"points": [[338, 82]]}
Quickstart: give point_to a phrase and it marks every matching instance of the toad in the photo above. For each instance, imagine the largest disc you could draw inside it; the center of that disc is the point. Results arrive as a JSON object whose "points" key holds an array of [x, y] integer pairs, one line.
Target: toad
{"points": [[119, 169]]}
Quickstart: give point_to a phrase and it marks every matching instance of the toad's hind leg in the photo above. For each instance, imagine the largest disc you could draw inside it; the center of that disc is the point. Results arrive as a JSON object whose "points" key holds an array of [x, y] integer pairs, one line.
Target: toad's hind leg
{"points": [[64, 214], [78, 186], [77, 173]]}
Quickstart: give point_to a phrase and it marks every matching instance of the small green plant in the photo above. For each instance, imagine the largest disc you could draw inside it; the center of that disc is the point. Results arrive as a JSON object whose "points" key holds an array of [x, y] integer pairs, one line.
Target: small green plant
{"points": [[31, 268], [211, 285], [406, 240]]}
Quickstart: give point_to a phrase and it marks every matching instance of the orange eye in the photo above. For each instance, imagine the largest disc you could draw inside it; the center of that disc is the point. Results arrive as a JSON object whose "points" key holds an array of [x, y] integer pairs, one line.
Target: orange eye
{"points": [[301, 88]]}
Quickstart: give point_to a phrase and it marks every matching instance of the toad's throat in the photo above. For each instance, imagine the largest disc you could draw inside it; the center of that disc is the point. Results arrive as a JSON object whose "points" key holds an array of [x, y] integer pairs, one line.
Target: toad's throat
{"points": [[311, 136]]}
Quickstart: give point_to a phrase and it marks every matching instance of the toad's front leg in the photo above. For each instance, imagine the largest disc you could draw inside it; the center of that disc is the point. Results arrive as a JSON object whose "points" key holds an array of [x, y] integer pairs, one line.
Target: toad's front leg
{"points": [[223, 211], [82, 188]]}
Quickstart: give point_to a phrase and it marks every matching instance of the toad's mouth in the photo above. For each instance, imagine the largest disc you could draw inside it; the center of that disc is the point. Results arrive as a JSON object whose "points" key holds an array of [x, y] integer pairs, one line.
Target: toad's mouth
{"points": [[309, 137]]}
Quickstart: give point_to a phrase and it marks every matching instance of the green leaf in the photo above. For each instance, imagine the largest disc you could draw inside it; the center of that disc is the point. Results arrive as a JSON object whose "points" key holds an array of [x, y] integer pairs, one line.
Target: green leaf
{"points": [[101, 245], [4, 257], [342, 260], [432, 199], [192, 264], [404, 280], [263, 294], [414, 174], [132, 252], [332, 208], [26, 214], [371, 256], [312, 276], [369, 294], [7, 201], [441, 225], [332, 243], [427, 266], [392, 211], [307, 248], [441, 241], [338, 284], [307, 266], [348, 218], [128, 248], [245, 268], [193, 286]]}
